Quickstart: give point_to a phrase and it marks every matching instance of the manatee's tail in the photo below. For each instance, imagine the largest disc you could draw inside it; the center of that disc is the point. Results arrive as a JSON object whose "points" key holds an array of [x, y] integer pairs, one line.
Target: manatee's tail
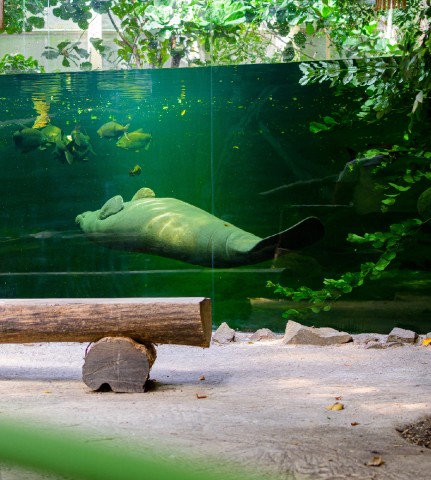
{"points": [[304, 233]]}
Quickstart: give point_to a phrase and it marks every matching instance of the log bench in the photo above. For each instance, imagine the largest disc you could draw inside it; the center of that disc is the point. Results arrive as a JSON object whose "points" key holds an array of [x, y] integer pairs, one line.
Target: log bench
{"points": [[122, 331]]}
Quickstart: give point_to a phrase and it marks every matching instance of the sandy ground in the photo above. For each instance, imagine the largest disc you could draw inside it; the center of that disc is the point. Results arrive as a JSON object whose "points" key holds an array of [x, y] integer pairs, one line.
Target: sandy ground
{"points": [[264, 408]]}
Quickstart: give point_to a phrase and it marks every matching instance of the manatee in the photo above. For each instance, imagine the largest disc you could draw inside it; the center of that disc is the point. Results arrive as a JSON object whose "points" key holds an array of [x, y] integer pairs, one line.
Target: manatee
{"points": [[172, 228], [143, 192], [112, 130], [135, 140], [111, 207], [28, 139]]}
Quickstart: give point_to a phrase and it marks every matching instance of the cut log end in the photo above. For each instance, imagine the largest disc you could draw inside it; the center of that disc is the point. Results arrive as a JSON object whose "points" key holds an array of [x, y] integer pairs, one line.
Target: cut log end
{"points": [[119, 362]]}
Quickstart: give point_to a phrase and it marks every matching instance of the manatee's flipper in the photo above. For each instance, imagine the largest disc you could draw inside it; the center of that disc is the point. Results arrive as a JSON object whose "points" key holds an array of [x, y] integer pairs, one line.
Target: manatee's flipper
{"points": [[143, 192], [304, 233], [111, 207]]}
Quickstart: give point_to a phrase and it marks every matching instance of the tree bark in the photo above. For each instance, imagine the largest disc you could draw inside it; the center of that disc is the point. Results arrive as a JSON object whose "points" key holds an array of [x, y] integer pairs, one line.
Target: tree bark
{"points": [[120, 363], [182, 321], [1, 14]]}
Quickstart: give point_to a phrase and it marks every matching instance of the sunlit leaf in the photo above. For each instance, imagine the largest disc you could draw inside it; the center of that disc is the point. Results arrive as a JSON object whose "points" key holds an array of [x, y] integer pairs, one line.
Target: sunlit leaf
{"points": [[376, 462], [335, 406]]}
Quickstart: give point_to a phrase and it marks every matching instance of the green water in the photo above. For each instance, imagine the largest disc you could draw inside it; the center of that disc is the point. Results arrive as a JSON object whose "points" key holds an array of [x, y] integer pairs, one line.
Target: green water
{"points": [[223, 139]]}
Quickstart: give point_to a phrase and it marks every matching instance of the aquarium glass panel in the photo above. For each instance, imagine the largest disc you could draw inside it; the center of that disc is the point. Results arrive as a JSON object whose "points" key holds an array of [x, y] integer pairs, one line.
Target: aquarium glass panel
{"points": [[196, 172]]}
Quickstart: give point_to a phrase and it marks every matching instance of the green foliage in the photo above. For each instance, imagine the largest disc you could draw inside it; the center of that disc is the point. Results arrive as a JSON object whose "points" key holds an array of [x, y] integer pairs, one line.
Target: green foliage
{"points": [[398, 82], [71, 53], [71, 457], [389, 243], [19, 64], [23, 16], [79, 11]]}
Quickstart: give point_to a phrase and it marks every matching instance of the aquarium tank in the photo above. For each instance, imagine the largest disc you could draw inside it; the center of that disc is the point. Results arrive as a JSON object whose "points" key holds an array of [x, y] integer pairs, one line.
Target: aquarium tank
{"points": [[271, 155]]}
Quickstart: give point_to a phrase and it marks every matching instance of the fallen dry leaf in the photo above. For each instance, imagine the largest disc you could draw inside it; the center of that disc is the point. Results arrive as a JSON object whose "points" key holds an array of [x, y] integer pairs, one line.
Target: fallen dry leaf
{"points": [[338, 398], [201, 396], [335, 406], [376, 462], [353, 424], [202, 378], [426, 342]]}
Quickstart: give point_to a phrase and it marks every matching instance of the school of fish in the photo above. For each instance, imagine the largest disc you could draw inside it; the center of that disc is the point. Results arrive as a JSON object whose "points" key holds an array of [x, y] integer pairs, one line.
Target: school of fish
{"points": [[77, 146]]}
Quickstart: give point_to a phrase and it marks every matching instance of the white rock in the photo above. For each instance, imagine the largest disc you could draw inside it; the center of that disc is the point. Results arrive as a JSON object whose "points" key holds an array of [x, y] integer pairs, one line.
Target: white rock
{"points": [[223, 334], [297, 334], [263, 334], [401, 335]]}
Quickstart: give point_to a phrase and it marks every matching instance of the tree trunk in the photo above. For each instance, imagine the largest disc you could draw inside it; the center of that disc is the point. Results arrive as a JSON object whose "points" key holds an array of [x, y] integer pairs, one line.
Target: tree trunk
{"points": [[120, 363], [182, 321]]}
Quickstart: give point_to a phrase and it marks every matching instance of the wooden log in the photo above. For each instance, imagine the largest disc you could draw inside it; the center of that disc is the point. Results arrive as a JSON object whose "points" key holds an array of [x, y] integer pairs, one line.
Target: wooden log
{"points": [[182, 321], [120, 363]]}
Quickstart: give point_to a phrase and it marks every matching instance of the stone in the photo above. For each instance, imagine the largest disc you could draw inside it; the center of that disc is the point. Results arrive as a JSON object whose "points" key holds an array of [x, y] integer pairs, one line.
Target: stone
{"points": [[374, 345], [297, 334], [263, 334], [365, 338], [401, 335], [224, 334]]}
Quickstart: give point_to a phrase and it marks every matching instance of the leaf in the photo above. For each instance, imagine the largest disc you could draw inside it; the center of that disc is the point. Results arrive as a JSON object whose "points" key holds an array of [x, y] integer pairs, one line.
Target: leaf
{"points": [[309, 29], [86, 66], [335, 406], [50, 54], [330, 121], [326, 11], [376, 462], [63, 45], [81, 52], [400, 188], [316, 127], [426, 342]]}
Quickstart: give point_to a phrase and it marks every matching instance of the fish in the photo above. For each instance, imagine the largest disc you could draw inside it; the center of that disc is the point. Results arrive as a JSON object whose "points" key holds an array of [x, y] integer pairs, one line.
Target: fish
{"points": [[63, 151], [67, 150], [112, 130], [52, 133], [171, 228], [82, 145], [136, 140], [28, 139], [136, 170]]}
